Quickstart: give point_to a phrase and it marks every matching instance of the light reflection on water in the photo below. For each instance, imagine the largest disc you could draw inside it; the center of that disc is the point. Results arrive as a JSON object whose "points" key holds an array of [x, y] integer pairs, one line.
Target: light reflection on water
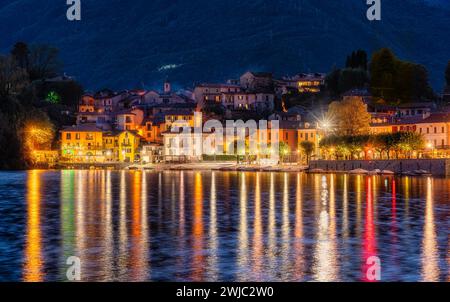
{"points": [[222, 226]]}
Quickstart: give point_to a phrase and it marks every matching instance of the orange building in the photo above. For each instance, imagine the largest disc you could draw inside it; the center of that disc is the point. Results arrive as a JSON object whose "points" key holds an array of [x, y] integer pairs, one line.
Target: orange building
{"points": [[310, 133]]}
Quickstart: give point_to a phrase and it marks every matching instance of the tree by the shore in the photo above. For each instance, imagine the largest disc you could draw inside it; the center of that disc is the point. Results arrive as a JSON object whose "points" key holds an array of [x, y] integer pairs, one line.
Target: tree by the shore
{"points": [[26, 117], [385, 144], [307, 148], [349, 117]]}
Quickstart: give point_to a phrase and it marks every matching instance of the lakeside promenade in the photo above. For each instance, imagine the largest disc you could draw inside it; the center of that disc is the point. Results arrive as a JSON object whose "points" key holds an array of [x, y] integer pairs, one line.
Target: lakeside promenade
{"points": [[407, 167]]}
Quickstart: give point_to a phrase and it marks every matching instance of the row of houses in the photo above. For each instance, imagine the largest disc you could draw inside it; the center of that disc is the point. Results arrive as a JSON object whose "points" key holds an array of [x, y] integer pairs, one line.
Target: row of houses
{"points": [[136, 125], [154, 142], [433, 126], [425, 118], [256, 91]]}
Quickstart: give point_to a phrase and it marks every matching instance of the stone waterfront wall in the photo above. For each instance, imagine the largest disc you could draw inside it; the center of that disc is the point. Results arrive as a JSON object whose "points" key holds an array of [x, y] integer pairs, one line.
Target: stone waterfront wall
{"points": [[437, 167]]}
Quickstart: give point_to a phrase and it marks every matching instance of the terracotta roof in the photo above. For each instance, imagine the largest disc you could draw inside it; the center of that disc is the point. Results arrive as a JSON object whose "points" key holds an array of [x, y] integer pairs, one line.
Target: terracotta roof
{"points": [[437, 118], [434, 118], [82, 128], [289, 125]]}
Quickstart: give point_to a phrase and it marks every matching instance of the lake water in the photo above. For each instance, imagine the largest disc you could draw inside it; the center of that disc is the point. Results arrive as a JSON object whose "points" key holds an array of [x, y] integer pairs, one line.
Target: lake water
{"points": [[222, 226]]}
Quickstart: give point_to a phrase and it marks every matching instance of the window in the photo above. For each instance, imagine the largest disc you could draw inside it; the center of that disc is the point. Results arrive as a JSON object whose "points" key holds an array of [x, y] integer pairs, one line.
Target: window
{"points": [[128, 120], [435, 129], [68, 136], [443, 142], [306, 136], [77, 136], [428, 130], [443, 129]]}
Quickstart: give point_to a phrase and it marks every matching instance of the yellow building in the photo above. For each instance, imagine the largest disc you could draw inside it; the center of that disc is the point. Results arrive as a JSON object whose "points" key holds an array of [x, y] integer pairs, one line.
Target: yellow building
{"points": [[380, 128], [110, 147], [82, 143], [128, 144], [88, 144]]}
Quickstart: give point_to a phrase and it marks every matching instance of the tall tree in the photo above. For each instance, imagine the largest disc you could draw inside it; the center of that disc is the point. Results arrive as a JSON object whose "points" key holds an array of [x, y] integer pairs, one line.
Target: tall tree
{"points": [[332, 81], [44, 62], [307, 148], [12, 78], [20, 53], [382, 73], [396, 80], [349, 117], [357, 60], [351, 78]]}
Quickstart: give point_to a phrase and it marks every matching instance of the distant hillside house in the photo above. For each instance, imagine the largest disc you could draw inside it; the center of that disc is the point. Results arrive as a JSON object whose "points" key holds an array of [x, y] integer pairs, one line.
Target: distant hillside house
{"points": [[167, 96], [129, 120], [257, 81], [303, 82], [101, 102], [248, 101], [208, 92]]}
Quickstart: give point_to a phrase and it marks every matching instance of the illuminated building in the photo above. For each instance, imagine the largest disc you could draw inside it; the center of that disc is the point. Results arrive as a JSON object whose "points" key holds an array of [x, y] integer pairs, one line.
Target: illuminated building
{"points": [[88, 144]]}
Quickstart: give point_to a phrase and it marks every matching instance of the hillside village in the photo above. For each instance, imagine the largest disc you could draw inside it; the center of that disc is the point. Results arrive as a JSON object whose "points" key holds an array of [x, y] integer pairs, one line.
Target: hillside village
{"points": [[135, 126], [377, 108]]}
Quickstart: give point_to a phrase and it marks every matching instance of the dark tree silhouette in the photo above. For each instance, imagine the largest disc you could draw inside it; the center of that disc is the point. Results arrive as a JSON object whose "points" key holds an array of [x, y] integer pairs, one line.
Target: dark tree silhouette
{"points": [[43, 62], [20, 53]]}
